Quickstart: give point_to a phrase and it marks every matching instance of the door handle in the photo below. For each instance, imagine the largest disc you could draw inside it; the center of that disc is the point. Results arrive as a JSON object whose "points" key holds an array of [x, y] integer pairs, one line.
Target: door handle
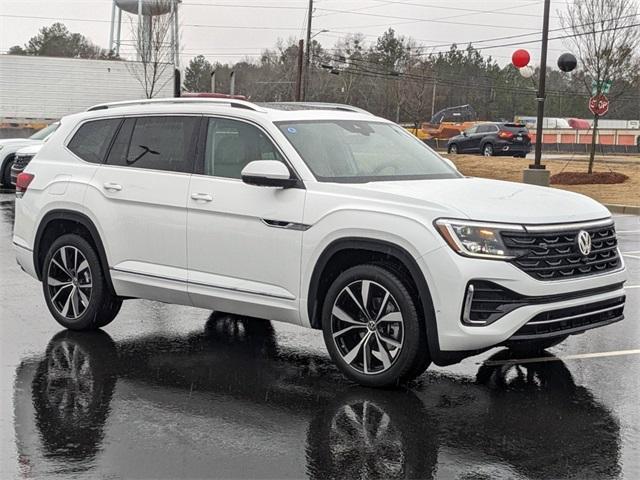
{"points": [[201, 197], [112, 187]]}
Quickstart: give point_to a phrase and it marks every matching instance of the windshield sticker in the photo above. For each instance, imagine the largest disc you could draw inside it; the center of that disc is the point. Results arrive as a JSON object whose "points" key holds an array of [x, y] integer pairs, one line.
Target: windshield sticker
{"points": [[291, 130]]}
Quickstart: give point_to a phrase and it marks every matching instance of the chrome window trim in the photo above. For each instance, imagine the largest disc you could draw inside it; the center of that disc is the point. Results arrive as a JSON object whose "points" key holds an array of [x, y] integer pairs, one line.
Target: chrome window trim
{"points": [[557, 227]]}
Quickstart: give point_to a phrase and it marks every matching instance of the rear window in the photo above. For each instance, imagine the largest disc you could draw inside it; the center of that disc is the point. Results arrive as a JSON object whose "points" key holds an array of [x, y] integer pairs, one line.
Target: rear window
{"points": [[515, 128], [92, 139], [157, 143]]}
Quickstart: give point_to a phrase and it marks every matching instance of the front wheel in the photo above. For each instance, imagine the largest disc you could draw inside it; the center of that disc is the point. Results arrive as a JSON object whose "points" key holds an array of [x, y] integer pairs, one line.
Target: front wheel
{"points": [[5, 175], [487, 150], [371, 327], [74, 286], [453, 149]]}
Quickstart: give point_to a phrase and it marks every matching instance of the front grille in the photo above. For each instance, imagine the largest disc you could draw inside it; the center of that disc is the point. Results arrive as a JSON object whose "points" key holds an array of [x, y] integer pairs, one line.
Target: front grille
{"points": [[490, 301], [572, 319], [21, 161], [555, 255]]}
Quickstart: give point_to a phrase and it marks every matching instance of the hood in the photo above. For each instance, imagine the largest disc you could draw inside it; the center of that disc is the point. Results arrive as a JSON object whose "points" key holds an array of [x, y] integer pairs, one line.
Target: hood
{"points": [[30, 150], [16, 142], [493, 200]]}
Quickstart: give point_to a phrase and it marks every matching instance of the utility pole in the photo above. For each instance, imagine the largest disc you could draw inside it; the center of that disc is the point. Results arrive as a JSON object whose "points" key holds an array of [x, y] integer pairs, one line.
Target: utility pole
{"points": [[213, 82], [433, 98], [298, 89], [536, 174], [307, 60], [232, 82]]}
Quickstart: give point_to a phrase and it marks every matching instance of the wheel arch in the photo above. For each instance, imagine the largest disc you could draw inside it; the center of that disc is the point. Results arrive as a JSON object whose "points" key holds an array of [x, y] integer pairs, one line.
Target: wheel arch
{"points": [[69, 218], [375, 250]]}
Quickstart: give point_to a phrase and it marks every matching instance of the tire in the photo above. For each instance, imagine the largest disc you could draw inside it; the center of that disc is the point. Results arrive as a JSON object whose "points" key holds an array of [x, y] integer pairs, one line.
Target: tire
{"points": [[395, 345], [72, 391], [487, 150], [5, 177], [453, 149], [373, 434], [74, 285], [534, 347]]}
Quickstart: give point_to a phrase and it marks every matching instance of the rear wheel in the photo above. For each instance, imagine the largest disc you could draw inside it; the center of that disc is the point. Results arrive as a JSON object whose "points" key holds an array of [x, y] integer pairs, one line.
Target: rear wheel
{"points": [[487, 150], [371, 327], [74, 286]]}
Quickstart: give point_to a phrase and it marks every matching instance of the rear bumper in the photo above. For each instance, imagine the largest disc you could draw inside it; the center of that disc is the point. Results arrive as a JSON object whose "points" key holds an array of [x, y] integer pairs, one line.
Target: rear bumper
{"points": [[508, 148]]}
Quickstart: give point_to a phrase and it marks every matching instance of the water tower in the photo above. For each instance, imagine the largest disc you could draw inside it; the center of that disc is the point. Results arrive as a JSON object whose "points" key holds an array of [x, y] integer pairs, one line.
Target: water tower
{"points": [[145, 10]]}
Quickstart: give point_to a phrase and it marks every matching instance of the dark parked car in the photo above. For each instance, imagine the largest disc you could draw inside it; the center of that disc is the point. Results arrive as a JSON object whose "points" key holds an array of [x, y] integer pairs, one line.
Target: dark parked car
{"points": [[491, 139]]}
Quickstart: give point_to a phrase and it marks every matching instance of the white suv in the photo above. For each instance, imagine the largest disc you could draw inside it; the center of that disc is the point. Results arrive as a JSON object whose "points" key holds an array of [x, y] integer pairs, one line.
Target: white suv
{"points": [[319, 215]]}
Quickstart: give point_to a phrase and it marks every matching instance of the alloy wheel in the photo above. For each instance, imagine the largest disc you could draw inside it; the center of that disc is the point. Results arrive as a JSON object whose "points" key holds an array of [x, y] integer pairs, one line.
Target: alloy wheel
{"points": [[365, 442], [367, 327], [453, 149], [69, 282], [488, 150], [70, 384]]}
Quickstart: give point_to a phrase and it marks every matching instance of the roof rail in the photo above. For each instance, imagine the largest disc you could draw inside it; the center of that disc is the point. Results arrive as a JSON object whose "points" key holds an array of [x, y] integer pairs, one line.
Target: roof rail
{"points": [[178, 100], [317, 106]]}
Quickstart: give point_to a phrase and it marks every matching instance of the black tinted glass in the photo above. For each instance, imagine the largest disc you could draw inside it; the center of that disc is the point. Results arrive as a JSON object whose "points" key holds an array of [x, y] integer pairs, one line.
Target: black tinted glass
{"points": [[231, 145], [158, 143], [92, 139]]}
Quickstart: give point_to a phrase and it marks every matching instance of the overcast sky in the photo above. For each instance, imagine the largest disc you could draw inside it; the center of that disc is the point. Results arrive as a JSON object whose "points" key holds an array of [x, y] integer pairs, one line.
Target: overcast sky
{"points": [[226, 30]]}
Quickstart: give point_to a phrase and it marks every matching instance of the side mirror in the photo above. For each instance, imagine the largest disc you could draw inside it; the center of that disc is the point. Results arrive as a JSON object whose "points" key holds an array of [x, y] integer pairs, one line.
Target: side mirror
{"points": [[267, 173]]}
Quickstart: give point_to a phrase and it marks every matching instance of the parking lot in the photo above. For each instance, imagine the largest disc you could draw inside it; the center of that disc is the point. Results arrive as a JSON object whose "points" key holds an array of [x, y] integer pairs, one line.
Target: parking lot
{"points": [[168, 391]]}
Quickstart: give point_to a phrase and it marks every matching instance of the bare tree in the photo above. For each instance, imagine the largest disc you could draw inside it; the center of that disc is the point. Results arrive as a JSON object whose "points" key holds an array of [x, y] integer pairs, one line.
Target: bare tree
{"points": [[606, 36], [154, 49]]}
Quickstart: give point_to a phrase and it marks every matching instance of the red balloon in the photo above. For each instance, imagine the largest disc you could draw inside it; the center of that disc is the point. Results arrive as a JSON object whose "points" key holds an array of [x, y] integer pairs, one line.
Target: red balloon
{"points": [[520, 58]]}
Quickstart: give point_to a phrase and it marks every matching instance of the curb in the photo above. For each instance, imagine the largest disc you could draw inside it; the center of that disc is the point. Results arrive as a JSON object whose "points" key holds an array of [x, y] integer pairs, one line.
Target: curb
{"points": [[628, 209]]}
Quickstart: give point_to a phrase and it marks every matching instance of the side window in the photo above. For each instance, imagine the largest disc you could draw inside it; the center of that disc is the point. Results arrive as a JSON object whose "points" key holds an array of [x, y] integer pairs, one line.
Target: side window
{"points": [[485, 129], [471, 131], [158, 143], [231, 145], [92, 139]]}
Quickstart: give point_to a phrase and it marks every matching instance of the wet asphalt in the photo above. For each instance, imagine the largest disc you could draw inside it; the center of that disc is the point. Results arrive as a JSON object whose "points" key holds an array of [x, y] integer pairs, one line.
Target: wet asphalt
{"points": [[175, 392]]}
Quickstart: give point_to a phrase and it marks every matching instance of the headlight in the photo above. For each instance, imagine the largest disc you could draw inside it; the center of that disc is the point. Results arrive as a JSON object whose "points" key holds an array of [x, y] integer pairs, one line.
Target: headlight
{"points": [[477, 239]]}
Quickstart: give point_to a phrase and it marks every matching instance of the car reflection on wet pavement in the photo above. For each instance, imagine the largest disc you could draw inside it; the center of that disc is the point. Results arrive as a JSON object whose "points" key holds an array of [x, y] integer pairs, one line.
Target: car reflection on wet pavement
{"points": [[89, 395], [176, 392]]}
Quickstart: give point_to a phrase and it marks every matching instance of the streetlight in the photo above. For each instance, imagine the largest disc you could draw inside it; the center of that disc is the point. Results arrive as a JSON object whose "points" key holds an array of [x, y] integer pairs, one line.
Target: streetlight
{"points": [[307, 59]]}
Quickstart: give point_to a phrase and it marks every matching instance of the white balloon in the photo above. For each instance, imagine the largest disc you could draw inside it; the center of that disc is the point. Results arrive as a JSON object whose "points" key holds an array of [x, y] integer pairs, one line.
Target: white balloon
{"points": [[527, 72]]}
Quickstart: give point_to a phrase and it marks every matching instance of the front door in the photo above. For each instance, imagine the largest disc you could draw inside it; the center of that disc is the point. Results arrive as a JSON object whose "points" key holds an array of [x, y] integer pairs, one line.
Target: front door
{"points": [[244, 242]]}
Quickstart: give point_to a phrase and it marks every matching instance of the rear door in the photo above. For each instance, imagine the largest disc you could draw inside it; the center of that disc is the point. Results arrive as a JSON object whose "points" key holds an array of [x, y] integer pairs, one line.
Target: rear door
{"points": [[139, 200], [481, 134]]}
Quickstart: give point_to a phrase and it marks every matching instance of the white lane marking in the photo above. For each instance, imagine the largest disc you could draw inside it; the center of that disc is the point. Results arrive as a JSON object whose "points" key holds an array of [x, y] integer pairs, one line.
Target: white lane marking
{"points": [[579, 356], [627, 231], [633, 253], [631, 256], [632, 286]]}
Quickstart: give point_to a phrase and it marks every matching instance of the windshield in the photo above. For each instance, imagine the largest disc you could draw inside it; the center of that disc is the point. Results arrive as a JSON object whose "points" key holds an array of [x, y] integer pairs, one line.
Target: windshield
{"points": [[362, 151], [45, 132]]}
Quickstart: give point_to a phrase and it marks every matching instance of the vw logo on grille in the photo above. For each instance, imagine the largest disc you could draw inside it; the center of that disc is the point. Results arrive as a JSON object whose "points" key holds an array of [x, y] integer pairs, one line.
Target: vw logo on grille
{"points": [[584, 242]]}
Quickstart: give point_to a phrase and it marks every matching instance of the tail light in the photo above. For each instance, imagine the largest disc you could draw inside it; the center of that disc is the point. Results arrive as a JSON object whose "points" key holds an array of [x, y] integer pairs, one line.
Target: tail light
{"points": [[22, 183], [506, 134]]}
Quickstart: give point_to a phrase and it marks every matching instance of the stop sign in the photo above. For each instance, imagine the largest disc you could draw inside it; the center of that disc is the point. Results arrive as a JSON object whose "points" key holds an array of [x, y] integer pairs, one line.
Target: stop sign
{"points": [[599, 105]]}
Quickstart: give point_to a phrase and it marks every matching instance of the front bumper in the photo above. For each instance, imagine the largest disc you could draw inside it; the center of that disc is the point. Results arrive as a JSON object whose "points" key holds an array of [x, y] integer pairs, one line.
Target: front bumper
{"points": [[448, 275]]}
